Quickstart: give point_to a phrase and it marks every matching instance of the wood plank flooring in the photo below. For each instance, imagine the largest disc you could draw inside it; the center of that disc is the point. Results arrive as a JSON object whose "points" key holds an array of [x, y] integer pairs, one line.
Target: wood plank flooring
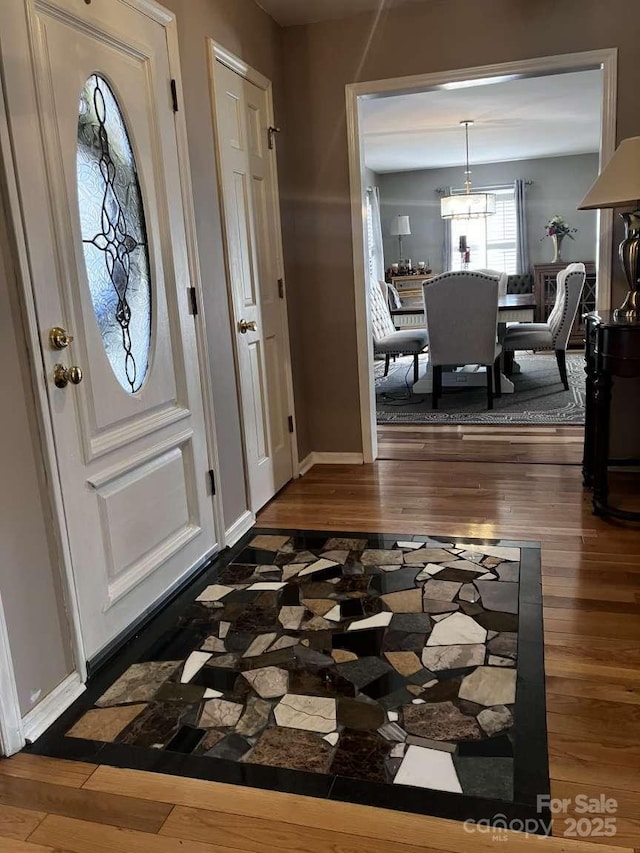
{"points": [[591, 577], [560, 445], [209, 817]]}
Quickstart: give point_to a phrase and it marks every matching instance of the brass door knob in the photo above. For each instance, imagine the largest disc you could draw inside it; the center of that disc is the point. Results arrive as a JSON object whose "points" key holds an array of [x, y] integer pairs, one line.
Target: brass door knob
{"points": [[59, 338], [245, 326], [63, 375]]}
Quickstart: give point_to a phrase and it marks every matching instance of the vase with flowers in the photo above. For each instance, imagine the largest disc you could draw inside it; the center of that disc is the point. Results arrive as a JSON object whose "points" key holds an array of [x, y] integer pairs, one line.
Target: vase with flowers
{"points": [[558, 228]]}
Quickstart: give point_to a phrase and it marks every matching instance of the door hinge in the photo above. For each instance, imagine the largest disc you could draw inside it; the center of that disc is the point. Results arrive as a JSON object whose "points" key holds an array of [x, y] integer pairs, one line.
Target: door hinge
{"points": [[212, 480], [290, 422], [281, 288], [174, 95], [271, 131], [193, 300]]}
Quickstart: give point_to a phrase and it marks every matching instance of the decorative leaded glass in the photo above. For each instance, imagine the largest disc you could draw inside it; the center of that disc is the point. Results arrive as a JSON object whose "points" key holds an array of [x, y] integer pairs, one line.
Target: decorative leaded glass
{"points": [[114, 236]]}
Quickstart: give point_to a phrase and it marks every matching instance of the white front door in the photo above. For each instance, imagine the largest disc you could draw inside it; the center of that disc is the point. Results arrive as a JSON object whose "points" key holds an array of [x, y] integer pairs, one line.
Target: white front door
{"points": [[249, 196], [96, 160]]}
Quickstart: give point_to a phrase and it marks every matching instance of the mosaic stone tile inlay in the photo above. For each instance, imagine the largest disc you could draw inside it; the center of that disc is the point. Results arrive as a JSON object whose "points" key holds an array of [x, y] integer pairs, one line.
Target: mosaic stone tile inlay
{"points": [[383, 660]]}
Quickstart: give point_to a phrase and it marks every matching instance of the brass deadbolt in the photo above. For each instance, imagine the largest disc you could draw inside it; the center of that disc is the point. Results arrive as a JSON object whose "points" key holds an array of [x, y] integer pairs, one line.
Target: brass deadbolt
{"points": [[63, 375], [245, 326], [59, 338]]}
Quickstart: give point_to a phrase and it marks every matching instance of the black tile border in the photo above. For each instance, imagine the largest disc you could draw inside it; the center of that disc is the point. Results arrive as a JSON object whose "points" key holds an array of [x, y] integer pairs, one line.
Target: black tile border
{"points": [[531, 771]]}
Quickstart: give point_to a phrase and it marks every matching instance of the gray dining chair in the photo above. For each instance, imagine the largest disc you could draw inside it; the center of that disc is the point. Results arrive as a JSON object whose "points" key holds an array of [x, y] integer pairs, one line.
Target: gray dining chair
{"points": [[462, 323], [387, 340], [554, 333], [503, 279]]}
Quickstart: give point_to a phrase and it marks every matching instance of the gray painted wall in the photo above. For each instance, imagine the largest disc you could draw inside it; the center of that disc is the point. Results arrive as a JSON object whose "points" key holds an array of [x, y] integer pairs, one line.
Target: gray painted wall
{"points": [[559, 184], [371, 178]]}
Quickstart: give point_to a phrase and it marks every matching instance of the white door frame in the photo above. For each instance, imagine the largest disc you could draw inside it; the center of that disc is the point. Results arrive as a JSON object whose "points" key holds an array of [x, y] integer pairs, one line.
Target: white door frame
{"points": [[605, 59], [218, 53], [14, 729]]}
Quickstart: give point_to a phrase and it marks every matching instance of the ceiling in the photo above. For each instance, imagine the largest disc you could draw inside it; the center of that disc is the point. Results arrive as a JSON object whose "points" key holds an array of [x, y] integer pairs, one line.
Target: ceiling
{"points": [[289, 13], [514, 120]]}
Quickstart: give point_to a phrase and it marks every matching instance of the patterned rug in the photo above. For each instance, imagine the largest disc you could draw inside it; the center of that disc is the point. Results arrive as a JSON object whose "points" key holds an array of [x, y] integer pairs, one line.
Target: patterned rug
{"points": [[539, 396], [397, 671]]}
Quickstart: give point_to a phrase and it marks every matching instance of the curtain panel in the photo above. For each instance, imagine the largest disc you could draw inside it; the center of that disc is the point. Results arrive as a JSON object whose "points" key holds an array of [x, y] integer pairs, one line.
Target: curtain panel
{"points": [[522, 241]]}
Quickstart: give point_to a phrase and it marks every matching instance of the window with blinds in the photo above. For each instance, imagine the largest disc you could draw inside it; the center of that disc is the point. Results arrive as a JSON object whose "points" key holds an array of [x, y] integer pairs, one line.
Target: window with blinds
{"points": [[492, 240]]}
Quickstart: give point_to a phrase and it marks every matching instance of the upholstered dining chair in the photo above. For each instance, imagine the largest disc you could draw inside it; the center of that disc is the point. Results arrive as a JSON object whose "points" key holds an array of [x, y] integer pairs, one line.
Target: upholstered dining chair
{"points": [[503, 279], [387, 340], [462, 324], [554, 334]]}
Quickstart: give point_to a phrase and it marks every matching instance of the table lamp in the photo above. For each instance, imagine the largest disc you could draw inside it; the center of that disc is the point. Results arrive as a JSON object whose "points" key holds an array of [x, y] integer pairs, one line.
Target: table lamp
{"points": [[618, 185], [400, 228]]}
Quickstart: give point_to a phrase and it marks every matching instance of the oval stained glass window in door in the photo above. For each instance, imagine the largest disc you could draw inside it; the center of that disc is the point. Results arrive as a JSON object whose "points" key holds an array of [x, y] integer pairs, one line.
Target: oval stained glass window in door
{"points": [[114, 237]]}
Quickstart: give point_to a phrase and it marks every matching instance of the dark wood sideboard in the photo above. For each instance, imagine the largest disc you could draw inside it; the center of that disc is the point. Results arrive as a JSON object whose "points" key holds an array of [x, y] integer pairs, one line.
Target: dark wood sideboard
{"points": [[612, 351], [545, 293]]}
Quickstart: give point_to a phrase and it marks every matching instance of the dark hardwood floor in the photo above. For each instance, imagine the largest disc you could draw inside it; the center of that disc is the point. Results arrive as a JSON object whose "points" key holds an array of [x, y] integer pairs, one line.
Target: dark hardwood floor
{"points": [[591, 578]]}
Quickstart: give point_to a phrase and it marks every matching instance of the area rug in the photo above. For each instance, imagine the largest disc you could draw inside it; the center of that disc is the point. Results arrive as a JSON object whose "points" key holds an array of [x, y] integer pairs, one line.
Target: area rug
{"points": [[398, 671], [539, 396]]}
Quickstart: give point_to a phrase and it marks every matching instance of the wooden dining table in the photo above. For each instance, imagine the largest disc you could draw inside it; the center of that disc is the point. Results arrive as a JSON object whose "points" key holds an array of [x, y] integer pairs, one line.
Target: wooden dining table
{"points": [[512, 308]]}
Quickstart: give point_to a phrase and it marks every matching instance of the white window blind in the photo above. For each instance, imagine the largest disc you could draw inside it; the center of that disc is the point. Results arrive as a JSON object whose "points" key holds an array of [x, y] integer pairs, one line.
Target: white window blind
{"points": [[370, 241], [492, 240]]}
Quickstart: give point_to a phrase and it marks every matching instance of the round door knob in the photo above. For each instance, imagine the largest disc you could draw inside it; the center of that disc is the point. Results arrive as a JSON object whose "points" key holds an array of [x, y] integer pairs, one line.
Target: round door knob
{"points": [[75, 375], [245, 326], [63, 375]]}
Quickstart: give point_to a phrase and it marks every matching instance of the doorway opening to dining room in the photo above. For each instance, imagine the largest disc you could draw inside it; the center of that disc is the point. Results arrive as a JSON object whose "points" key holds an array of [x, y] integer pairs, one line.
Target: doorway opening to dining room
{"points": [[473, 265]]}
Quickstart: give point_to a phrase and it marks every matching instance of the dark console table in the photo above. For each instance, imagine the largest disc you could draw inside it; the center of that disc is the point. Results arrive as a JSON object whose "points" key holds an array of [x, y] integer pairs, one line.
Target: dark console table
{"points": [[613, 350], [545, 292]]}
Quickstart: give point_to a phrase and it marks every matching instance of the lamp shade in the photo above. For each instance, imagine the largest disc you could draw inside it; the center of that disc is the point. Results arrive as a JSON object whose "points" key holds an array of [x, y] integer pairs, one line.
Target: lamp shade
{"points": [[467, 205], [618, 184], [400, 226]]}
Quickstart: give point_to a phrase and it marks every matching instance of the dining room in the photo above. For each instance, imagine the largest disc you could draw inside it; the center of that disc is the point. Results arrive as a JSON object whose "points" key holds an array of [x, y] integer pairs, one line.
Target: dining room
{"points": [[481, 265]]}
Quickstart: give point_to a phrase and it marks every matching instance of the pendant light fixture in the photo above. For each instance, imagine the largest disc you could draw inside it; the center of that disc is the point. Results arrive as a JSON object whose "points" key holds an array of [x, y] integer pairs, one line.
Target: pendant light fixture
{"points": [[467, 205]]}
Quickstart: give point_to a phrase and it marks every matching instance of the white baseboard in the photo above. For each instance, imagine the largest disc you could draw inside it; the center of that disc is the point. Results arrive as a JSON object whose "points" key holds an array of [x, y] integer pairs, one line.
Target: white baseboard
{"points": [[305, 465], [239, 527], [338, 458], [52, 706], [318, 457]]}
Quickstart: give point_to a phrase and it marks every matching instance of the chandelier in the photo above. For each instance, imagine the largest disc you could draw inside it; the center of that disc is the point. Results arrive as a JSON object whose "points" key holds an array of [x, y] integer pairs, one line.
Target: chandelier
{"points": [[467, 205]]}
